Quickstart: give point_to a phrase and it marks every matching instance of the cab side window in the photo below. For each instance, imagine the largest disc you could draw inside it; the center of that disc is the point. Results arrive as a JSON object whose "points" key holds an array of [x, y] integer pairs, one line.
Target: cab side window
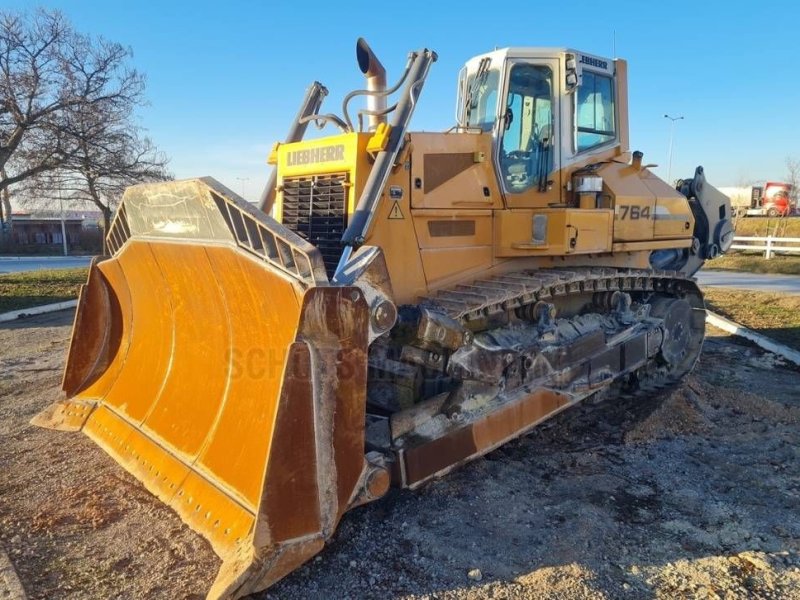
{"points": [[594, 111]]}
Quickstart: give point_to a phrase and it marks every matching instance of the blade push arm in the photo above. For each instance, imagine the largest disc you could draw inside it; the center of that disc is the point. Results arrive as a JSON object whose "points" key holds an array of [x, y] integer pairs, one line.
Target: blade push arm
{"points": [[312, 102]]}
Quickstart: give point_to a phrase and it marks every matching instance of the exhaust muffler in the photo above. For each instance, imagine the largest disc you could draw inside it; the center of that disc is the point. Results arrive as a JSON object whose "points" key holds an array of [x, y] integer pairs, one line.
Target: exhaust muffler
{"points": [[375, 74]]}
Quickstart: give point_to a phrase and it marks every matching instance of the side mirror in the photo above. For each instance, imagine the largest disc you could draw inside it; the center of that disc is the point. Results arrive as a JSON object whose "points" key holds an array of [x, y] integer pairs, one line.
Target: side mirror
{"points": [[571, 79]]}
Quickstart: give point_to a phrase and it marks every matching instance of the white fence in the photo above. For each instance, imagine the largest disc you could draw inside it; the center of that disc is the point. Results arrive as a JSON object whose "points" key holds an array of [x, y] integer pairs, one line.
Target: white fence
{"points": [[769, 245]]}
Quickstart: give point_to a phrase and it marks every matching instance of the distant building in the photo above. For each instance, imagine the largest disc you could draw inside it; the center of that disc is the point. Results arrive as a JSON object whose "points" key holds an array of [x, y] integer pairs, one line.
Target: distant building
{"points": [[27, 230], [85, 211], [35, 227]]}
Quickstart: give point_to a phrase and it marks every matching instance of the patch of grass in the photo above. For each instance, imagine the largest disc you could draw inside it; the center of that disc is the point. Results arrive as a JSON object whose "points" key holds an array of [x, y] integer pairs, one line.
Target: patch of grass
{"points": [[764, 226], [755, 263], [25, 290], [774, 315]]}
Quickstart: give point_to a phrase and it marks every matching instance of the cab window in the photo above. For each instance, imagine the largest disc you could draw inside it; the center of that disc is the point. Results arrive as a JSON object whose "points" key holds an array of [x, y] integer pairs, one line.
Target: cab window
{"points": [[594, 111], [480, 98], [526, 151]]}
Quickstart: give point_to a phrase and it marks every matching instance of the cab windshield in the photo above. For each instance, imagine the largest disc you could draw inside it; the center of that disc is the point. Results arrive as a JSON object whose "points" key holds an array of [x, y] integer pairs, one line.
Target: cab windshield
{"points": [[479, 93]]}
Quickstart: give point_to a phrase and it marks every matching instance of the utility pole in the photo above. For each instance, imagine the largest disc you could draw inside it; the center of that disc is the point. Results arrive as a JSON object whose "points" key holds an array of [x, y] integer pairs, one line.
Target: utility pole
{"points": [[63, 225], [671, 137]]}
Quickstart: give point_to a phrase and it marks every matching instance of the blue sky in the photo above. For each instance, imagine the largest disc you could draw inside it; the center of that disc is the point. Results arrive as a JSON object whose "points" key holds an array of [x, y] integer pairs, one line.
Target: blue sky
{"points": [[225, 79]]}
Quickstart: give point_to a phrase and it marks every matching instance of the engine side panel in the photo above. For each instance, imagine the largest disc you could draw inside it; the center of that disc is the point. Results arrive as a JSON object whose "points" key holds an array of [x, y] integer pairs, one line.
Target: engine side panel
{"points": [[442, 219]]}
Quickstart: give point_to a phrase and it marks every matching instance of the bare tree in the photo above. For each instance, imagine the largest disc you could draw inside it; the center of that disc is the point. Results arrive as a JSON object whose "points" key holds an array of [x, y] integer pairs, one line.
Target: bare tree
{"points": [[5, 205], [67, 103], [48, 73], [793, 176], [111, 154]]}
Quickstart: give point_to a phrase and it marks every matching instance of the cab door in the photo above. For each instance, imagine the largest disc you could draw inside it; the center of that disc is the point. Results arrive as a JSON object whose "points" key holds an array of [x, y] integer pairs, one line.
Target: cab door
{"points": [[528, 153]]}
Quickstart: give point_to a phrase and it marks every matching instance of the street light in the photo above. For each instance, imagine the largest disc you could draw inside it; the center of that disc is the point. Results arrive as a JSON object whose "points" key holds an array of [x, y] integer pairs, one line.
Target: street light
{"points": [[243, 180], [671, 134]]}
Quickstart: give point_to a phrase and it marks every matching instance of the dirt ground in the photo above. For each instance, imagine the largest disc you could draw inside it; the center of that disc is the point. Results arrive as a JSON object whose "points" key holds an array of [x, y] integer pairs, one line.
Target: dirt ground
{"points": [[692, 495]]}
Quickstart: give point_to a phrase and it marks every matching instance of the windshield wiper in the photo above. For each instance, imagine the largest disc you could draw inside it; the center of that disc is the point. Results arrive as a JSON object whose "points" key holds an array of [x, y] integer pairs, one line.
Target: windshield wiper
{"points": [[480, 79]]}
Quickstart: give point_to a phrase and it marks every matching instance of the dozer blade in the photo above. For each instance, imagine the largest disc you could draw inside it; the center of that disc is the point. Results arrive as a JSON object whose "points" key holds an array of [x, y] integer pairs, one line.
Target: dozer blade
{"points": [[213, 361]]}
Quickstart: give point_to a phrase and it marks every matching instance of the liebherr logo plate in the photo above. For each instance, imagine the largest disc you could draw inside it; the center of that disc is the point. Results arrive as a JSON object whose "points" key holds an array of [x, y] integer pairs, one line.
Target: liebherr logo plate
{"points": [[315, 155], [594, 62]]}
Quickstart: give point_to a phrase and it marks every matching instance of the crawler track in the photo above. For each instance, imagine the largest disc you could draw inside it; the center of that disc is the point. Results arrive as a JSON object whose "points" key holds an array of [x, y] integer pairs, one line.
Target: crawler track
{"points": [[513, 290], [496, 357]]}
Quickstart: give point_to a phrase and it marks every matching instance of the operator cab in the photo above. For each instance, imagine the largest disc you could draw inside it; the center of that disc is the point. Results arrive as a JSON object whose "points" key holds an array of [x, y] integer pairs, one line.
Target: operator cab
{"points": [[547, 109]]}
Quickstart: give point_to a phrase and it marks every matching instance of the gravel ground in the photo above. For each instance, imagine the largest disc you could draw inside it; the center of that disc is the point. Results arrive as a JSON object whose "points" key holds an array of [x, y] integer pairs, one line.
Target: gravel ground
{"points": [[695, 494]]}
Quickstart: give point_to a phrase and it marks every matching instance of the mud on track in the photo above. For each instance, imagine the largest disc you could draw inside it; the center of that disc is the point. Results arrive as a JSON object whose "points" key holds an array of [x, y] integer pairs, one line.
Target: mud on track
{"points": [[696, 494]]}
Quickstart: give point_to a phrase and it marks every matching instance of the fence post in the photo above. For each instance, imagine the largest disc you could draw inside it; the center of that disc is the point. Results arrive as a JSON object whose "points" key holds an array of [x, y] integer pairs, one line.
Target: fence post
{"points": [[769, 247]]}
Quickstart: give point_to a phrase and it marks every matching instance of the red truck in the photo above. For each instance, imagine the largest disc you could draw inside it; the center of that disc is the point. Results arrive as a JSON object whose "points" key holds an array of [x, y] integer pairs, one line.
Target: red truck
{"points": [[772, 199]]}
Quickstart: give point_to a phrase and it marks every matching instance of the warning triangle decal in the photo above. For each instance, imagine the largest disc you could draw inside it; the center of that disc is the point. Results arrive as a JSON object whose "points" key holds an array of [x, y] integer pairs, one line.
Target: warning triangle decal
{"points": [[396, 213]]}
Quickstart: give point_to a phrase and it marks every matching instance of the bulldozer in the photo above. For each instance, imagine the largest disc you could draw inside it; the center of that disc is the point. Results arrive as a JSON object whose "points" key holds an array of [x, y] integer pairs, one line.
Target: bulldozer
{"points": [[397, 304]]}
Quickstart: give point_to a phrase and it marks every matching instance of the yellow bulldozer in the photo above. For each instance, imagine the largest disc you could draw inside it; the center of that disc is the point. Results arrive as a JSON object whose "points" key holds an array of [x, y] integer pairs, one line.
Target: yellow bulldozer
{"points": [[399, 304]]}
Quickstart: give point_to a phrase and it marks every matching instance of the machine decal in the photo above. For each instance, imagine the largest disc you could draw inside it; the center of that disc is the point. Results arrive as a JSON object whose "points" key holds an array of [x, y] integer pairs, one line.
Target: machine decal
{"points": [[634, 212], [669, 217], [396, 213]]}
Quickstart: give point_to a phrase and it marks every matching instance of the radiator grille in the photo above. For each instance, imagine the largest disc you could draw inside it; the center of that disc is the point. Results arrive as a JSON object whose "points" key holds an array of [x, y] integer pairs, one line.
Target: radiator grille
{"points": [[315, 208]]}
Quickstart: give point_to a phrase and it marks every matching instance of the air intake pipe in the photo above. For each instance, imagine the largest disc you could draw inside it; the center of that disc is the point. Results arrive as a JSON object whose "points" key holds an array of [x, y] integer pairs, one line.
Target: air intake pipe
{"points": [[375, 74]]}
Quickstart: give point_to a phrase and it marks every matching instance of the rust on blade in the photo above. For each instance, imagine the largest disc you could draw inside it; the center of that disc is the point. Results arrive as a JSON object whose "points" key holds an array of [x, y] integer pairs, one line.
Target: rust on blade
{"points": [[94, 342], [318, 467]]}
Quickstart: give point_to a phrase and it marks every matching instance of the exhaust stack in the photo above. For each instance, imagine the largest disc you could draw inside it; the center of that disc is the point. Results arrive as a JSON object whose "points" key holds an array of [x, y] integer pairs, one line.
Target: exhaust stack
{"points": [[375, 74]]}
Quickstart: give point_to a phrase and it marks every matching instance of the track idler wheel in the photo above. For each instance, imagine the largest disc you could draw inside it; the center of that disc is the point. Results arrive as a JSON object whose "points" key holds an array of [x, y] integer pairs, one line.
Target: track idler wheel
{"points": [[682, 333]]}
